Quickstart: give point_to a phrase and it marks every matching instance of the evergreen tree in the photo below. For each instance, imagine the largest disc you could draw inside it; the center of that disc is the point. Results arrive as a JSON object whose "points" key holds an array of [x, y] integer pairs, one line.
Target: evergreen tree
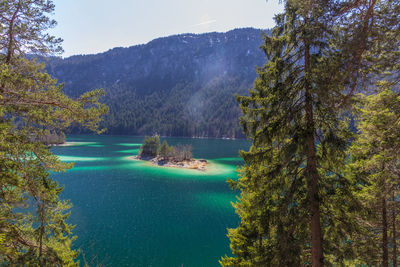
{"points": [[296, 206], [32, 217], [24, 26], [383, 55], [150, 147], [165, 150], [376, 158]]}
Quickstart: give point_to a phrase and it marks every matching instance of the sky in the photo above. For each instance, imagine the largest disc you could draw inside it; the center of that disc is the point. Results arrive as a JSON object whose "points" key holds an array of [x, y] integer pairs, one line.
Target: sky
{"points": [[93, 26]]}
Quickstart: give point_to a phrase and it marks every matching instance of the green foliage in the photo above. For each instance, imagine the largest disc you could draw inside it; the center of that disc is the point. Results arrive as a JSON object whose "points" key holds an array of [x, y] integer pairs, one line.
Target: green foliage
{"points": [[24, 28], [165, 150], [32, 105], [296, 206], [150, 147], [384, 55], [376, 160], [188, 109]]}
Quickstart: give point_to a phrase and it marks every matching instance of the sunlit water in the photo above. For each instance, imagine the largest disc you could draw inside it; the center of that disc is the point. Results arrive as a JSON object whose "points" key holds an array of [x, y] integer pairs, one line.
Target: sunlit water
{"points": [[129, 213]]}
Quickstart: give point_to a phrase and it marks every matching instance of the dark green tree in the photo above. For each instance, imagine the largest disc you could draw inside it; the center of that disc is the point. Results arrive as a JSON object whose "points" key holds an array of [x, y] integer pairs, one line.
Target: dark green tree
{"points": [[150, 147], [32, 217], [296, 206], [165, 150], [383, 55]]}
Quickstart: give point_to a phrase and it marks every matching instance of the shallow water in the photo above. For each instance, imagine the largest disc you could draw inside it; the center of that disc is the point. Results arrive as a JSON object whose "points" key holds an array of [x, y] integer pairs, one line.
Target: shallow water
{"points": [[129, 213]]}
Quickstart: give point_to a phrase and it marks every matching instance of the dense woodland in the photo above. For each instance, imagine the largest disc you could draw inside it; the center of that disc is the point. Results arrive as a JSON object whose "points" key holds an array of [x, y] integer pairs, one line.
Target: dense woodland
{"points": [[320, 183], [181, 85]]}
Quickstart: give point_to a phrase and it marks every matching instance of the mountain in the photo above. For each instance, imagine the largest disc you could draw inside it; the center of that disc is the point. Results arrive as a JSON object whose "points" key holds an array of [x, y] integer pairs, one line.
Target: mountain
{"points": [[181, 85]]}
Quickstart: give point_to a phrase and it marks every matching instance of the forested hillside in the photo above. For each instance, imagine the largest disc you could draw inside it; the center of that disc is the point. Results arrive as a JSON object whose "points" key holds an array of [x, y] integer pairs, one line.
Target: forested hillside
{"points": [[181, 85]]}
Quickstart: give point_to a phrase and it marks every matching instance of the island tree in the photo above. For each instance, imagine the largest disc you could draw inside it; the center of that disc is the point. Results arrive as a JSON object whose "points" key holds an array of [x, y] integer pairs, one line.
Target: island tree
{"points": [[150, 147], [165, 150], [182, 152], [32, 216]]}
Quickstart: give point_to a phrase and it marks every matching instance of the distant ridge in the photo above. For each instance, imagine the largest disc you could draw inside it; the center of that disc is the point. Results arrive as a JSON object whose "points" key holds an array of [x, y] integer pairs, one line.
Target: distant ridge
{"points": [[181, 85]]}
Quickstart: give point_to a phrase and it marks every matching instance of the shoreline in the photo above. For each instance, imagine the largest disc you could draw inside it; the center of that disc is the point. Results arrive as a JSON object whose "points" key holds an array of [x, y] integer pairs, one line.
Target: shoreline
{"points": [[165, 136], [64, 144], [72, 144], [194, 164]]}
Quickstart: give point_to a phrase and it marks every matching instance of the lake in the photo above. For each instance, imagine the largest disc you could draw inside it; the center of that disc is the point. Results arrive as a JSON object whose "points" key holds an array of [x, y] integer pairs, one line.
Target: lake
{"points": [[129, 213]]}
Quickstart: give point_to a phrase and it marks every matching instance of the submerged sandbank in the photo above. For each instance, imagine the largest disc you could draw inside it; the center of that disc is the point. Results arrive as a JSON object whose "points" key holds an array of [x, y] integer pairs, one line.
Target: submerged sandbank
{"points": [[213, 168], [76, 144], [193, 164]]}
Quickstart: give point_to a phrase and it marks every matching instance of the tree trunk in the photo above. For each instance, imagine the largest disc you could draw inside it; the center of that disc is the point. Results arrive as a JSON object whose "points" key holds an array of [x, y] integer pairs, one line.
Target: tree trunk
{"points": [[312, 172], [394, 234], [385, 261], [10, 49], [41, 232]]}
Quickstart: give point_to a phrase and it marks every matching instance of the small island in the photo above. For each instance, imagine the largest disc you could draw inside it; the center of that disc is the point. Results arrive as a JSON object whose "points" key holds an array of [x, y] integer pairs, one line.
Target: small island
{"points": [[179, 156]]}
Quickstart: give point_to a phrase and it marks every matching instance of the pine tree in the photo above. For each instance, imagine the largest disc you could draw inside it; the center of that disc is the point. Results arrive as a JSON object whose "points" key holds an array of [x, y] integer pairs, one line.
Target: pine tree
{"points": [[375, 158], [32, 217], [296, 206], [150, 147], [165, 150], [24, 28], [383, 55]]}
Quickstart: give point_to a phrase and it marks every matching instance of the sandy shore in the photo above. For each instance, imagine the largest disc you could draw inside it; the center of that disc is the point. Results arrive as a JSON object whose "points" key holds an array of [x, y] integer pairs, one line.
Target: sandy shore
{"points": [[63, 144], [194, 164], [73, 143]]}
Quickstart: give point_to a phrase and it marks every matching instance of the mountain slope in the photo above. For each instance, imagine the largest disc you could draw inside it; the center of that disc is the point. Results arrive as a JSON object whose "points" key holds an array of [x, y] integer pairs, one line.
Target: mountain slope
{"points": [[181, 85]]}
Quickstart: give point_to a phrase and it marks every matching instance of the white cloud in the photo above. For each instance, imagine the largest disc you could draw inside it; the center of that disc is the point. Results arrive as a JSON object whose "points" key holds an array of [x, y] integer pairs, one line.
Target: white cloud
{"points": [[204, 23]]}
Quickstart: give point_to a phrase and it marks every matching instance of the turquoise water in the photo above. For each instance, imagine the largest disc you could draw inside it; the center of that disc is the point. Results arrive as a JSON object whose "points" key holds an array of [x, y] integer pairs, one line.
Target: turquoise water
{"points": [[128, 213]]}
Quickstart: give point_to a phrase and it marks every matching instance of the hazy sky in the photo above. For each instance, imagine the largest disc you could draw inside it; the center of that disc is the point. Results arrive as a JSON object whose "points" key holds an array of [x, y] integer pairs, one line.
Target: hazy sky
{"points": [[92, 26]]}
